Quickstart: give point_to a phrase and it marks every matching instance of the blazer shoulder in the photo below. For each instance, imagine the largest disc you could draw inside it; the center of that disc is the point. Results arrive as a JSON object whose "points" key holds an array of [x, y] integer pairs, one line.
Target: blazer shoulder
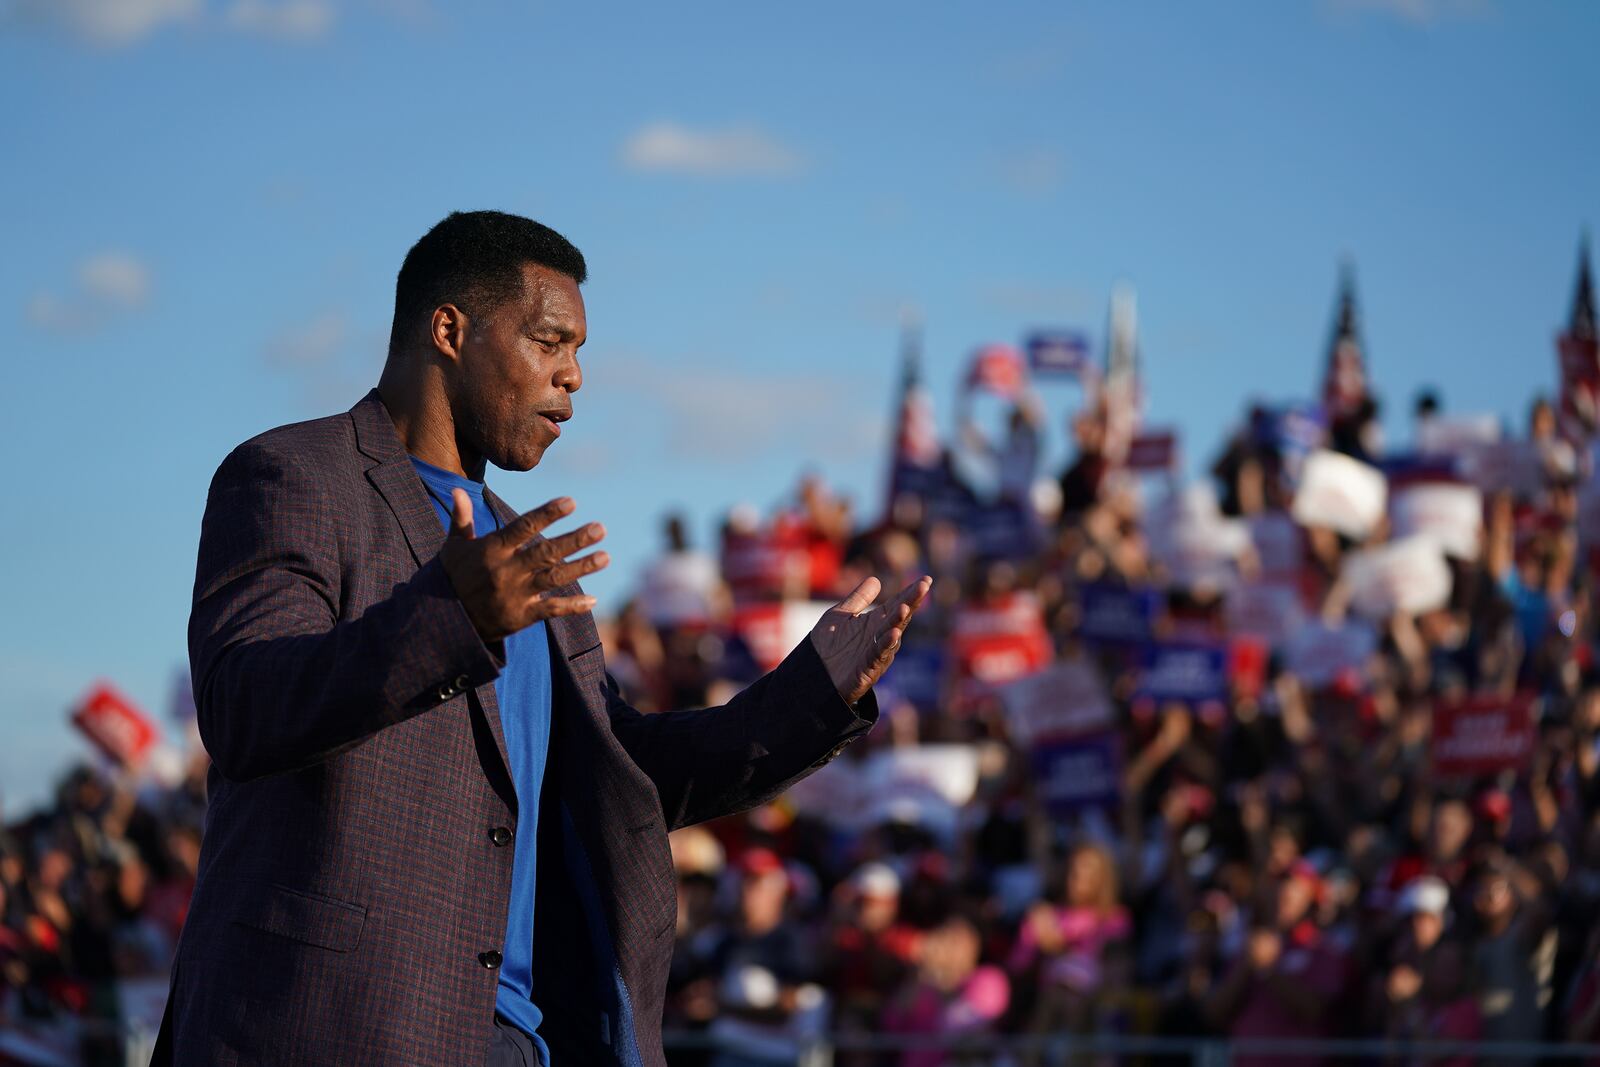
{"points": [[321, 445]]}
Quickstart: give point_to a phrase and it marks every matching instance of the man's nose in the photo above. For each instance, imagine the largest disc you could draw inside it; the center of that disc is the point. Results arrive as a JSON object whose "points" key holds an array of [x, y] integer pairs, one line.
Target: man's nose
{"points": [[569, 375]]}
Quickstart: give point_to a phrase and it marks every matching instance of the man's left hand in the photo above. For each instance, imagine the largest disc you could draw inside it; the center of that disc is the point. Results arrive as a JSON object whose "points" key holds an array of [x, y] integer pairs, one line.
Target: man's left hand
{"points": [[857, 642]]}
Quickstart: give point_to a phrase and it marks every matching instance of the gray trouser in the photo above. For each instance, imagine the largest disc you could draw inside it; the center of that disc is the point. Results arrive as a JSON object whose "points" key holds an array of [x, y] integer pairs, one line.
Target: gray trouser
{"points": [[510, 1047]]}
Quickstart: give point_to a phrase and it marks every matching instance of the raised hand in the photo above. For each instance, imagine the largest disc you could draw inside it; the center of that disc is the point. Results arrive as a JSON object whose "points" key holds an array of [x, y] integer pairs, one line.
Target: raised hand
{"points": [[504, 578], [857, 642]]}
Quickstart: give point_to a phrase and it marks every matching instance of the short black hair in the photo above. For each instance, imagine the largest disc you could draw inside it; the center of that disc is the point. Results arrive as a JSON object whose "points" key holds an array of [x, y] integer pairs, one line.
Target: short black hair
{"points": [[474, 259]]}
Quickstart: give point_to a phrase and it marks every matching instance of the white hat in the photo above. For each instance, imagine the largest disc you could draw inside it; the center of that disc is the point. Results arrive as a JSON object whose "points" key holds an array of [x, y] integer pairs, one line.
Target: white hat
{"points": [[1425, 894], [876, 880]]}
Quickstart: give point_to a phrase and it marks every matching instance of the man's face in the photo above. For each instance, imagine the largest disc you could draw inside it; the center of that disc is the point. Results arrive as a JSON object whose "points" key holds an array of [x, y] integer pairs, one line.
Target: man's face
{"points": [[518, 370]]}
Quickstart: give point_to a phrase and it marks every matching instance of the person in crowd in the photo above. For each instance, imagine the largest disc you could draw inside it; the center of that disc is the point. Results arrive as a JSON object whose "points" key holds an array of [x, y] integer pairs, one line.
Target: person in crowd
{"points": [[952, 998]]}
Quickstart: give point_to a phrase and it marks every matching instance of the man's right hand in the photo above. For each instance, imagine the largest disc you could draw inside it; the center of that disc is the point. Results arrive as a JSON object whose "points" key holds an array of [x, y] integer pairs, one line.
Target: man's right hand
{"points": [[504, 578]]}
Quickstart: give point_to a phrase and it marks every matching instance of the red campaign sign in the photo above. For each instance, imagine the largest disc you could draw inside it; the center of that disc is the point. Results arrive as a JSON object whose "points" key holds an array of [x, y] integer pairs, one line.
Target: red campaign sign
{"points": [[998, 369], [761, 627], [1154, 450], [760, 565], [115, 725], [1000, 641], [1482, 734]]}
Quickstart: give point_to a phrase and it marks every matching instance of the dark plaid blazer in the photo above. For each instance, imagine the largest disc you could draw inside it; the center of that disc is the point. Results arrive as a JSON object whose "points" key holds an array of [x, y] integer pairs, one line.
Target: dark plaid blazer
{"points": [[354, 874]]}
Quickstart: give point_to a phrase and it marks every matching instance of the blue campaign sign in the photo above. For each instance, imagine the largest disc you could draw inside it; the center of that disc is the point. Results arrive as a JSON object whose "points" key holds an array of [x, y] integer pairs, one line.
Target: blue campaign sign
{"points": [[916, 676], [1072, 774], [1188, 673], [1001, 531], [1117, 615], [1063, 352]]}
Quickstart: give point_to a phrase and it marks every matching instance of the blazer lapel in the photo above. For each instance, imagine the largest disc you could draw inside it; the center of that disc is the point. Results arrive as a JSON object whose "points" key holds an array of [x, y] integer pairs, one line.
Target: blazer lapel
{"points": [[401, 488]]}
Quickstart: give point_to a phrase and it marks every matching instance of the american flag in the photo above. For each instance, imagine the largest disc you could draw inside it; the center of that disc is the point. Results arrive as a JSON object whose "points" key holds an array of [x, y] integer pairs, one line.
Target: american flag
{"points": [[1344, 387], [918, 454], [1119, 395], [1578, 348]]}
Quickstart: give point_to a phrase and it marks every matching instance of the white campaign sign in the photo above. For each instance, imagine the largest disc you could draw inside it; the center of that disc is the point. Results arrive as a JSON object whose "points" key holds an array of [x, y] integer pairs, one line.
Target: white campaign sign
{"points": [[1065, 698], [1198, 545], [1405, 577], [1449, 513], [1339, 492], [949, 770]]}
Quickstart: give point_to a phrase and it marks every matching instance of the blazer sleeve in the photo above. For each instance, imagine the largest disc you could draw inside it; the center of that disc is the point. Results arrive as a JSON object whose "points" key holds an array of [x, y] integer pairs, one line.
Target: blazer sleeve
{"points": [[282, 680], [721, 760]]}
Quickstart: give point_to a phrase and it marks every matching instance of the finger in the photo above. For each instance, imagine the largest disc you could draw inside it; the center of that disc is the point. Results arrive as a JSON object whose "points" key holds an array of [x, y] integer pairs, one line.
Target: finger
{"points": [[549, 607], [559, 548], [460, 514], [527, 524], [905, 605], [913, 595], [559, 575], [861, 597]]}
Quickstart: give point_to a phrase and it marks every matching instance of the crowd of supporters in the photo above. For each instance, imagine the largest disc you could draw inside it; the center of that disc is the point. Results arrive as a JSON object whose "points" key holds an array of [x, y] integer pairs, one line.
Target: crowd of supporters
{"points": [[1292, 860], [1156, 759]]}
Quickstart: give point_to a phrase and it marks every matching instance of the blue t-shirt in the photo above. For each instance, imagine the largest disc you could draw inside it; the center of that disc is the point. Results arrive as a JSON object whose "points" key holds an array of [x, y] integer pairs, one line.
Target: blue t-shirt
{"points": [[523, 691]]}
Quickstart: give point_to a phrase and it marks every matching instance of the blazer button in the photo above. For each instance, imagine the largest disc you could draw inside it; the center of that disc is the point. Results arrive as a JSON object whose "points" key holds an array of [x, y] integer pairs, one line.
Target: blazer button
{"points": [[445, 692], [490, 959], [501, 836], [461, 683]]}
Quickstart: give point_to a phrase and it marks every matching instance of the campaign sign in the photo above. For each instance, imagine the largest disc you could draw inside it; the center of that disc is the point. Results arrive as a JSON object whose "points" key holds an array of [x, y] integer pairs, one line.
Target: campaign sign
{"points": [[1509, 466], [1339, 492], [1116, 615], [1075, 773], [1406, 577], [1443, 435], [1320, 654], [1293, 431], [1153, 450], [1000, 531], [1268, 611], [1196, 544], [1484, 733], [1404, 469], [1451, 514], [998, 369], [1001, 641], [1062, 353], [114, 725], [950, 770], [915, 677], [1280, 546], [1192, 673], [1067, 698]]}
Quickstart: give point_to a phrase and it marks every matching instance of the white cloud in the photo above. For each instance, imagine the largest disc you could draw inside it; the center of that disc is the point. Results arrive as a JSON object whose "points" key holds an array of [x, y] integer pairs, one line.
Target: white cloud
{"points": [[108, 283], [116, 279], [312, 343], [110, 23], [294, 20], [1416, 12], [1035, 172], [727, 414], [673, 148]]}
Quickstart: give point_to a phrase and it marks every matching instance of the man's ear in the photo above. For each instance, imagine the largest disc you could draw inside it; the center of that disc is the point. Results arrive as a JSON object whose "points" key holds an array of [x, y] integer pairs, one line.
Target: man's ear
{"points": [[447, 331]]}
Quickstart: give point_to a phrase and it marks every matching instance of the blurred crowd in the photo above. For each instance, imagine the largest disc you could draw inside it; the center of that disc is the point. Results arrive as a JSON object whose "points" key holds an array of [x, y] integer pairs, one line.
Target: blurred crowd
{"points": [[1261, 756], [1287, 862]]}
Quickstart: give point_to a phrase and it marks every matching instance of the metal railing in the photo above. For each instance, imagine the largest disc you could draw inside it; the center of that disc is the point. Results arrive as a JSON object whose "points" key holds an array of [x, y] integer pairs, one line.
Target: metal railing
{"points": [[1071, 1050], [1025, 1050]]}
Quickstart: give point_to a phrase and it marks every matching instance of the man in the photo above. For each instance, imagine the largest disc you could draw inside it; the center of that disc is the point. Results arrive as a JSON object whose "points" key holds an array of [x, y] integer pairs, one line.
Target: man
{"points": [[437, 833]]}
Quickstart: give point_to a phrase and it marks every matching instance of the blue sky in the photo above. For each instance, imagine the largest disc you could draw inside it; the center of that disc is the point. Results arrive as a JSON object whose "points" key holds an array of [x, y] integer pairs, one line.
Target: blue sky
{"points": [[205, 203]]}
